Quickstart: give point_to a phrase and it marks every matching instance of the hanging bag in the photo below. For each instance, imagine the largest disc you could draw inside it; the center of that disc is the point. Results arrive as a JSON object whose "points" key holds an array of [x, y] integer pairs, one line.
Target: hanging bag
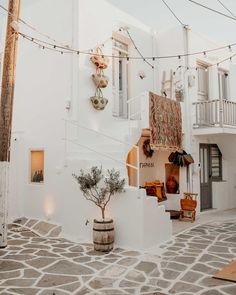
{"points": [[98, 101], [171, 157], [100, 61], [99, 79], [188, 159]]}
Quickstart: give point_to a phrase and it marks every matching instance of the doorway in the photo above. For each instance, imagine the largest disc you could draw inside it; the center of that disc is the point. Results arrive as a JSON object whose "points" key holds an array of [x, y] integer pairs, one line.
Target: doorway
{"points": [[120, 75], [205, 177]]}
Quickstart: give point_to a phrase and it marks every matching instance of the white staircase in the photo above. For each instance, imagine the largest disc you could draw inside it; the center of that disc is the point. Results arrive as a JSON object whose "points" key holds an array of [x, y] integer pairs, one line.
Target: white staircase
{"points": [[85, 147]]}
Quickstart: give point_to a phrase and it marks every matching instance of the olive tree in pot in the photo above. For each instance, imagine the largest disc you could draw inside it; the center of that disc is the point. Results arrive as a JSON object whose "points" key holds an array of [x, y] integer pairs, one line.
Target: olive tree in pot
{"points": [[99, 188]]}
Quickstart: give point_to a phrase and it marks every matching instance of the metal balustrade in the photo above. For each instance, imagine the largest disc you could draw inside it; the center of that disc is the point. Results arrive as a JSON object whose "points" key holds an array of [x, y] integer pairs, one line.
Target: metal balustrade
{"points": [[215, 113]]}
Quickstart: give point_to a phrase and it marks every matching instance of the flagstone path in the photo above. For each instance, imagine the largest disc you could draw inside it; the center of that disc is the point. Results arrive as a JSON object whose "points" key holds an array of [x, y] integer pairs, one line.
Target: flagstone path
{"points": [[33, 264]]}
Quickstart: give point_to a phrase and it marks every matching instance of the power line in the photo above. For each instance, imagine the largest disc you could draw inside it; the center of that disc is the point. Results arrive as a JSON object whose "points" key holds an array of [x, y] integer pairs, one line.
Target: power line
{"points": [[213, 10], [178, 19], [226, 8]]}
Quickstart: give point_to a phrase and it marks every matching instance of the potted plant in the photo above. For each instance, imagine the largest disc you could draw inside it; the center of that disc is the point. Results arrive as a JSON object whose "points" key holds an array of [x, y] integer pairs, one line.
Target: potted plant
{"points": [[99, 189]]}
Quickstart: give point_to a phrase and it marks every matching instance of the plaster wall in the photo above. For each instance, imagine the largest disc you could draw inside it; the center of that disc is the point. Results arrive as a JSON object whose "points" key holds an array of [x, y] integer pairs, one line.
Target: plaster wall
{"points": [[45, 82], [168, 45]]}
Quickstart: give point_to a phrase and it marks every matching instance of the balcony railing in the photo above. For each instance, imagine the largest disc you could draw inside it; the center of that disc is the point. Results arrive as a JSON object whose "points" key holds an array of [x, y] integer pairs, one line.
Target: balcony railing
{"points": [[215, 113]]}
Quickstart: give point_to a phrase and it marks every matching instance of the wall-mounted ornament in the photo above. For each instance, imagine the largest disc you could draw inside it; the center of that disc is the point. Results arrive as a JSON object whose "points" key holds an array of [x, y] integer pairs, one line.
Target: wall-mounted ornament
{"points": [[99, 79], [100, 61], [142, 75], [148, 152], [99, 102], [179, 93]]}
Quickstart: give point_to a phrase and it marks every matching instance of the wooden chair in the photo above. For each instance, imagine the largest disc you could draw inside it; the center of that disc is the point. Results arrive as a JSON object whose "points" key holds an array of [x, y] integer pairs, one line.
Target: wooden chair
{"points": [[188, 207]]}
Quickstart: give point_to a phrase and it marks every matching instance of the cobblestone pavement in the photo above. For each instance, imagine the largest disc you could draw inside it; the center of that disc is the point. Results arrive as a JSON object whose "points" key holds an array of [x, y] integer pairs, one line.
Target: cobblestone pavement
{"points": [[33, 264]]}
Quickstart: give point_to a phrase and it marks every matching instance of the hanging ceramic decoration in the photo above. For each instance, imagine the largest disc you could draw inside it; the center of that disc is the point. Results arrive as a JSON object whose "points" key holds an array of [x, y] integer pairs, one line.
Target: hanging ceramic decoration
{"points": [[100, 61], [99, 79], [98, 101], [148, 152]]}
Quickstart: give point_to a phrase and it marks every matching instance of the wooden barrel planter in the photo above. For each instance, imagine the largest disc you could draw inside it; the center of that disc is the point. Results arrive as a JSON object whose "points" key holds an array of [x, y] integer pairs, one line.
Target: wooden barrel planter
{"points": [[103, 235]]}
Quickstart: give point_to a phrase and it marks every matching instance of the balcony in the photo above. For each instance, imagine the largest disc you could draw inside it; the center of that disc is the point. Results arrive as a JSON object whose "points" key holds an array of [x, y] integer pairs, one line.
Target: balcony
{"points": [[214, 117]]}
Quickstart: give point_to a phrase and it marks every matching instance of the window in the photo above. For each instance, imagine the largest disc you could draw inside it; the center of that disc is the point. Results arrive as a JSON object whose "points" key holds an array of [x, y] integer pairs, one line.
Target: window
{"points": [[120, 70], [223, 80], [203, 78], [37, 166], [216, 162]]}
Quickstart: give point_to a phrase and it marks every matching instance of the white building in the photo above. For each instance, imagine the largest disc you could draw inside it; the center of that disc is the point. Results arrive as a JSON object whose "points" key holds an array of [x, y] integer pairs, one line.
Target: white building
{"points": [[56, 126]]}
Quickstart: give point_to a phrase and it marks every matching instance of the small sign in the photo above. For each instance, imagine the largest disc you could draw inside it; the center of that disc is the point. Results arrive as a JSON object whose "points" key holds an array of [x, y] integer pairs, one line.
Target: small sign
{"points": [[146, 165]]}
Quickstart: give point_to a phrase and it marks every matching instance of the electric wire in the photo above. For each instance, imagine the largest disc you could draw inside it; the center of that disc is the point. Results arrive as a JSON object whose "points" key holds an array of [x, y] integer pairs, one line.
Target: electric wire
{"points": [[226, 8], [139, 52], [172, 12], [212, 10]]}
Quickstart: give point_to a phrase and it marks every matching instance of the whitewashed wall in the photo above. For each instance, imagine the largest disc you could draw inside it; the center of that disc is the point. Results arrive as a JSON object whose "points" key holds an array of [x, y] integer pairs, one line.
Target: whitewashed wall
{"points": [[45, 80], [171, 42]]}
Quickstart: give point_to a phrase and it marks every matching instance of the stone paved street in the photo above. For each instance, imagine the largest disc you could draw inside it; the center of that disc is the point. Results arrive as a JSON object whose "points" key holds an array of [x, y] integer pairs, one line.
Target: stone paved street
{"points": [[33, 264]]}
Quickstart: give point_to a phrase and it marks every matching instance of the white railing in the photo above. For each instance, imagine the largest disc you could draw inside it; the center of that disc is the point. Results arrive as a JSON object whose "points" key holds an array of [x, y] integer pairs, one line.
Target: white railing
{"points": [[137, 106], [69, 138], [215, 113]]}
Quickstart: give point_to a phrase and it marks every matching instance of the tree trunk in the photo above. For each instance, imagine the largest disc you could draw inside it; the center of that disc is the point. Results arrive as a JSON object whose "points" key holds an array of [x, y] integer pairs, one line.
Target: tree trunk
{"points": [[103, 213], [6, 107]]}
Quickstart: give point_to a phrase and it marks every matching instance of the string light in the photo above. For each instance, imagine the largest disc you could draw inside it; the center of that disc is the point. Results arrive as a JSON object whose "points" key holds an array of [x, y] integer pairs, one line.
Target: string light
{"points": [[62, 50]]}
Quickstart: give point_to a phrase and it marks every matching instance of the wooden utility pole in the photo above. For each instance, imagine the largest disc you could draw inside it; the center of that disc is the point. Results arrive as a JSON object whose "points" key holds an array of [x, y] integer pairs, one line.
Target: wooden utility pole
{"points": [[6, 107]]}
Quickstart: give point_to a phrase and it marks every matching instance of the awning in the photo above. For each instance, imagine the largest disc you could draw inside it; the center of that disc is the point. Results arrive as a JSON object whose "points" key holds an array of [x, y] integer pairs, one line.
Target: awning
{"points": [[165, 121]]}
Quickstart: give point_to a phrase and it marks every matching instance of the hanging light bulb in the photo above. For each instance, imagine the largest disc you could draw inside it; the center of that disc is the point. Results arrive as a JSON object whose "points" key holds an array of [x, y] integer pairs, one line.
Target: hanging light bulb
{"points": [[206, 69], [230, 48], [127, 59], [205, 55]]}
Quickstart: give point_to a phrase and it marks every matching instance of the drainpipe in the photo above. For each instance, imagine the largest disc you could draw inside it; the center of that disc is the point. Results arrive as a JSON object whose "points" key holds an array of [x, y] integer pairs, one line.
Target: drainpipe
{"points": [[187, 106], [74, 61]]}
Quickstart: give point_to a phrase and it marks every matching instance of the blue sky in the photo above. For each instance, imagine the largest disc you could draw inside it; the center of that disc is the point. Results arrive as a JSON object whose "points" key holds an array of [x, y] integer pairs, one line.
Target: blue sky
{"points": [[155, 14]]}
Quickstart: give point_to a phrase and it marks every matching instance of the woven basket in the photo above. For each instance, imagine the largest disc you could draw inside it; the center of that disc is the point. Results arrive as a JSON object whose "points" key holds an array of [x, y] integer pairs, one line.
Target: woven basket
{"points": [[188, 205]]}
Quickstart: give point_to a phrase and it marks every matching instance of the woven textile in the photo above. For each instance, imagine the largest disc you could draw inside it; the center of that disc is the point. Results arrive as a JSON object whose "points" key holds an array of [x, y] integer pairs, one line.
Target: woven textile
{"points": [[165, 123]]}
